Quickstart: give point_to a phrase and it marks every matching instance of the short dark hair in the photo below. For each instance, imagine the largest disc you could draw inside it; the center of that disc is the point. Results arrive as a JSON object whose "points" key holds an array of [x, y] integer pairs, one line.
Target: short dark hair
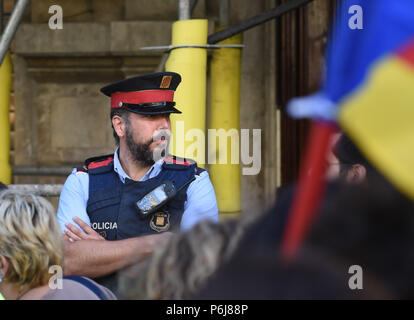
{"points": [[124, 114], [348, 154]]}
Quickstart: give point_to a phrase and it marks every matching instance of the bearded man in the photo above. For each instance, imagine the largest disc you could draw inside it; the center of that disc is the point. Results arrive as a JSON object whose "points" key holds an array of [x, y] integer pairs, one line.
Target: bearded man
{"points": [[117, 208]]}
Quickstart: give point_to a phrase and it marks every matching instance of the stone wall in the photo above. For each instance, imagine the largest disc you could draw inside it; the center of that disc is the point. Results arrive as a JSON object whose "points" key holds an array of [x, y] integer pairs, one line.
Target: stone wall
{"points": [[61, 118]]}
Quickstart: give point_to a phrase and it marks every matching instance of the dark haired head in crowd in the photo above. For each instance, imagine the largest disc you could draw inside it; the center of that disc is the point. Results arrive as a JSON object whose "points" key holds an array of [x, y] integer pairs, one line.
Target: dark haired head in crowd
{"points": [[2, 186], [353, 167]]}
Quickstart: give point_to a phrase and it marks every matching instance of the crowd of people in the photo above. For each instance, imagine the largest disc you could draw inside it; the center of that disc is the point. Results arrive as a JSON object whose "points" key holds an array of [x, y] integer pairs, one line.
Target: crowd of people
{"points": [[364, 220]]}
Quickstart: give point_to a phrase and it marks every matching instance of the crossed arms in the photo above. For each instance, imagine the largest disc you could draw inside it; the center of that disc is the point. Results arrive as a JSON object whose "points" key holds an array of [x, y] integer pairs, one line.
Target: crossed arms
{"points": [[88, 254]]}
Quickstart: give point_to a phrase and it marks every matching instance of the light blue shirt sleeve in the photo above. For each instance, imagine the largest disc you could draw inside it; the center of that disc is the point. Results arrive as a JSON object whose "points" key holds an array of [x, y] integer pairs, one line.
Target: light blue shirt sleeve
{"points": [[73, 199], [201, 202]]}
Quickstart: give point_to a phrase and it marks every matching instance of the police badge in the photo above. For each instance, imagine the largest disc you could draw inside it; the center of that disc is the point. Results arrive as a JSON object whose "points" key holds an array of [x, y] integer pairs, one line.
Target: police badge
{"points": [[160, 221]]}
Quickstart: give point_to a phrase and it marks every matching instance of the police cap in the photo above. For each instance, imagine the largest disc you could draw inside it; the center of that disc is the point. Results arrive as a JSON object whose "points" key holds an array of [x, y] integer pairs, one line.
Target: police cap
{"points": [[145, 94]]}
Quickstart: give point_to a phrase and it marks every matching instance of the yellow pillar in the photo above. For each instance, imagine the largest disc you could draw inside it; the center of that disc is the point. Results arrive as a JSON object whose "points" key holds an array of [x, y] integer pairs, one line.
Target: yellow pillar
{"points": [[188, 128], [5, 87], [225, 114]]}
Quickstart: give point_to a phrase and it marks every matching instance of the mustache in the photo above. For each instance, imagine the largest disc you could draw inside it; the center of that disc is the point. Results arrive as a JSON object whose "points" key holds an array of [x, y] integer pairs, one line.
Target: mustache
{"points": [[162, 134]]}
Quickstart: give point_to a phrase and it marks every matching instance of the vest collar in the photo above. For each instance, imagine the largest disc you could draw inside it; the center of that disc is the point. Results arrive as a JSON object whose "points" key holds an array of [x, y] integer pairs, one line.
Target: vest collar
{"points": [[152, 172]]}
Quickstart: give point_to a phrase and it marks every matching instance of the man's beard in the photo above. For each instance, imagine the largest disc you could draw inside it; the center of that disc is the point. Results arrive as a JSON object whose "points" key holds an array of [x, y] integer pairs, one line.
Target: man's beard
{"points": [[142, 152]]}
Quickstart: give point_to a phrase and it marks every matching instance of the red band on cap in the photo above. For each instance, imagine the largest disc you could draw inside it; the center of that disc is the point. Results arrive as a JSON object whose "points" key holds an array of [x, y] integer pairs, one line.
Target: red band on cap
{"points": [[137, 97]]}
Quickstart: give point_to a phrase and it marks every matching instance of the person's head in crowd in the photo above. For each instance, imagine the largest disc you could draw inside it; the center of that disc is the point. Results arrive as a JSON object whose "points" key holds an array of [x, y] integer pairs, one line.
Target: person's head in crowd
{"points": [[372, 226], [31, 253], [347, 162], [30, 242], [180, 268]]}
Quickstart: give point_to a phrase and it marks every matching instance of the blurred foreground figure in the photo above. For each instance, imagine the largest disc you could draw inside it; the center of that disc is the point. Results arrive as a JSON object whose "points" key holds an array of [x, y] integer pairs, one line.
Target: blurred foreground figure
{"points": [[372, 226], [31, 253], [366, 225], [182, 267]]}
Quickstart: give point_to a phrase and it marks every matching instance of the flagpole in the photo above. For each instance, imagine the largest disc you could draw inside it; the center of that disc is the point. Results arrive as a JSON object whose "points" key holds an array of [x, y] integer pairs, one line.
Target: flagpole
{"points": [[310, 189]]}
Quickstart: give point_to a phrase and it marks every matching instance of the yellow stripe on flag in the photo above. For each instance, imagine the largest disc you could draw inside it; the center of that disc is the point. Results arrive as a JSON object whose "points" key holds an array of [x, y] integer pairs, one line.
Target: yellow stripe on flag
{"points": [[380, 119]]}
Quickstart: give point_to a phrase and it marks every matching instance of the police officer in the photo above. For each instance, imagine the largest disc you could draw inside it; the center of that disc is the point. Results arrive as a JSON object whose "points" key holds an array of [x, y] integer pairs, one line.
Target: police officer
{"points": [[123, 197]]}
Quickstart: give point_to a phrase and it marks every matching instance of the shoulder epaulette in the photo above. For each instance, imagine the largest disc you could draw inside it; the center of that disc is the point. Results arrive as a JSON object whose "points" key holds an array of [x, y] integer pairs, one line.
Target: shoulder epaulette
{"points": [[82, 169], [199, 171], [97, 162]]}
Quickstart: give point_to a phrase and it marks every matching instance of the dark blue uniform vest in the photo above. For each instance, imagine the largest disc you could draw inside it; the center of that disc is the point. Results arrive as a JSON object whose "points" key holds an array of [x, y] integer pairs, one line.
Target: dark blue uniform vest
{"points": [[111, 204]]}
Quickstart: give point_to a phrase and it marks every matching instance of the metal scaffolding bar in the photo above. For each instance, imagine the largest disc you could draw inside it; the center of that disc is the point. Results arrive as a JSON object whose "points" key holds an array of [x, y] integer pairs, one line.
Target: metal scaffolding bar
{"points": [[41, 171], [193, 5], [184, 9], [1, 16], [224, 15], [11, 28], [45, 190], [256, 20]]}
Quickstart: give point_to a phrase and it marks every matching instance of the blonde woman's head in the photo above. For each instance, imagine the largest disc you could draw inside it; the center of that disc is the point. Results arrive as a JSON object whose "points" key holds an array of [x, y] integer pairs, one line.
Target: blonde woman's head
{"points": [[30, 238]]}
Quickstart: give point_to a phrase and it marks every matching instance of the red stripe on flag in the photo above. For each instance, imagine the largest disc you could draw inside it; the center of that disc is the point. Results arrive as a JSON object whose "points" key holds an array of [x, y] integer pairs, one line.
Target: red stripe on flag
{"points": [[407, 53]]}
